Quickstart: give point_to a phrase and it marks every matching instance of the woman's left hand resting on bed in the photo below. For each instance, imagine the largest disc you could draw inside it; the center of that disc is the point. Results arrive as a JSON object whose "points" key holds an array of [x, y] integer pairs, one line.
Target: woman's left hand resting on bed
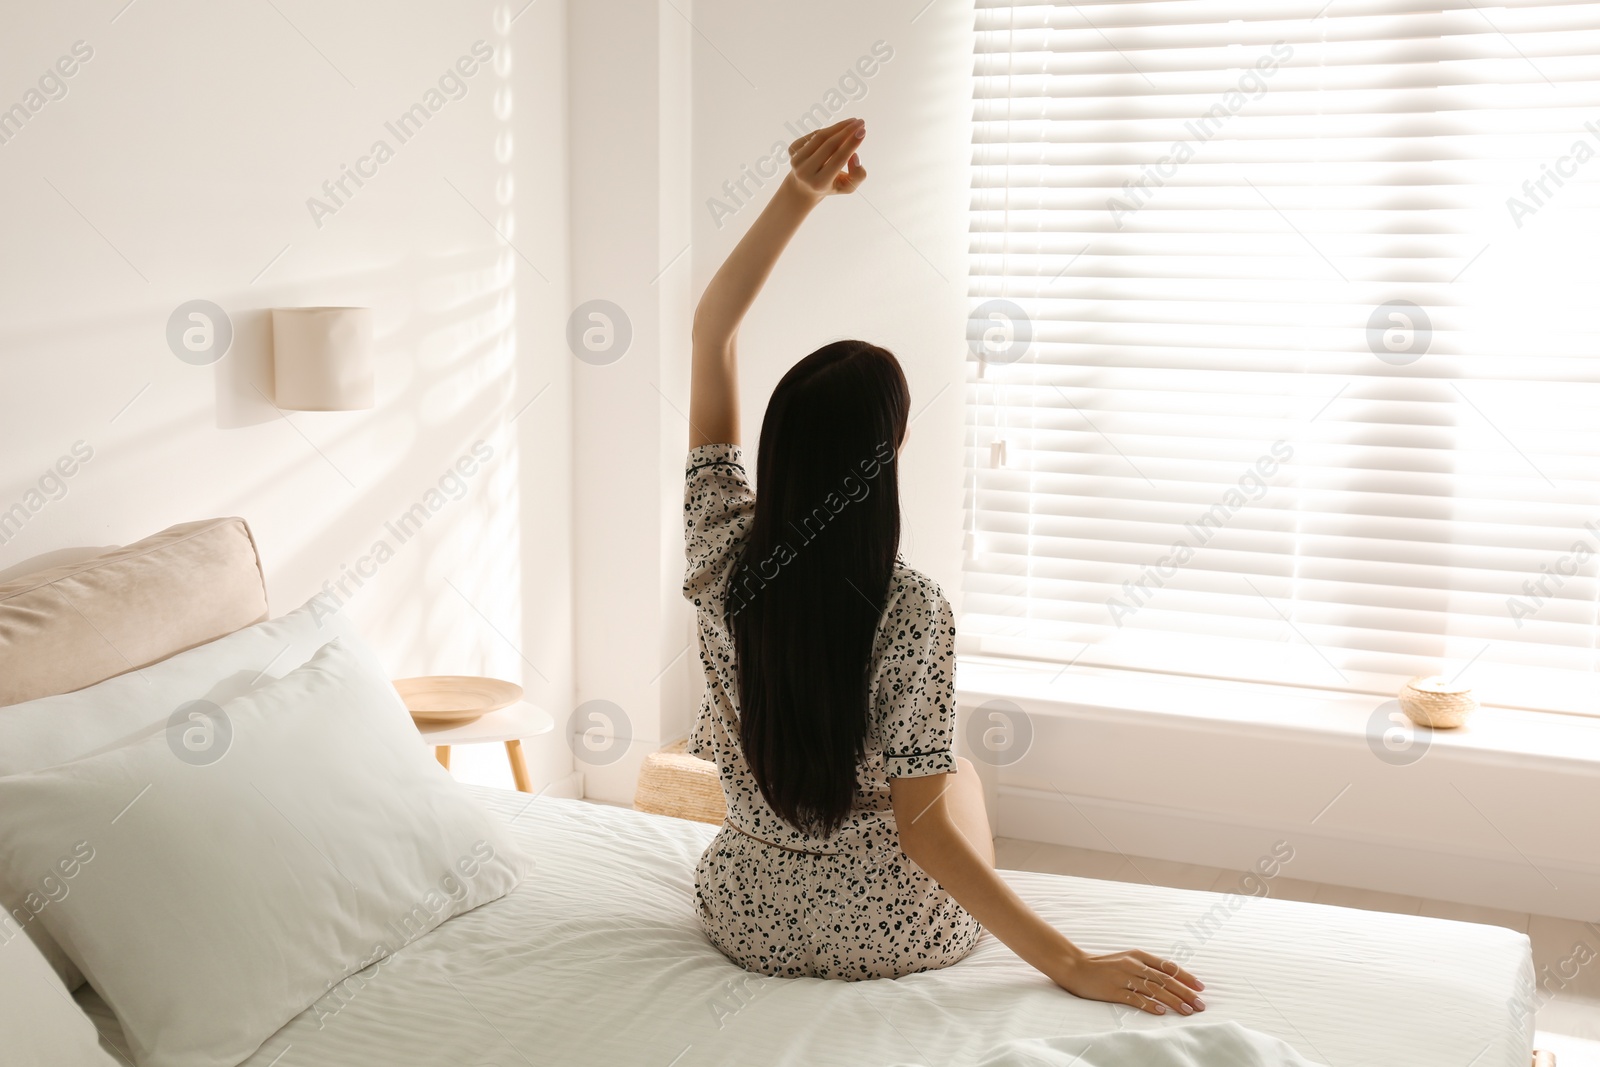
{"points": [[932, 837]]}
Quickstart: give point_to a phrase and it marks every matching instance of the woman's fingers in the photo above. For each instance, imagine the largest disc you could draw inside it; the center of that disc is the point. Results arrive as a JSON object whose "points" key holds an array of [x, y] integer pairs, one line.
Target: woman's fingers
{"points": [[842, 145], [823, 157], [1126, 977], [852, 178], [825, 160], [796, 145], [1167, 967], [805, 149], [1165, 991], [1143, 1003], [1166, 988]]}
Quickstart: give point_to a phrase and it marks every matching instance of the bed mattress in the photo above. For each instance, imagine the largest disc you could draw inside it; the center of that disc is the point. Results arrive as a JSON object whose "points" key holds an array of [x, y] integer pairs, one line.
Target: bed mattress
{"points": [[597, 958]]}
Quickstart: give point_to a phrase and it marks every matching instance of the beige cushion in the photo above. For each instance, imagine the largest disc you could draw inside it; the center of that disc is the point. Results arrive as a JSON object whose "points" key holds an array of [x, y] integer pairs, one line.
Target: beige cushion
{"points": [[70, 627]]}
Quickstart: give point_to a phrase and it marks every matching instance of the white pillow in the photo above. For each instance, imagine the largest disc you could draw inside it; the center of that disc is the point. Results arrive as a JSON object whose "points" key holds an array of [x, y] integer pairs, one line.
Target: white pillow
{"points": [[42, 733], [41, 1024], [224, 897]]}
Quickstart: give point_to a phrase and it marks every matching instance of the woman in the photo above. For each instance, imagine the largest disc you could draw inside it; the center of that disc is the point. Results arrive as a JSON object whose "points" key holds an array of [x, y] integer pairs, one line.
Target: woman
{"points": [[857, 845]]}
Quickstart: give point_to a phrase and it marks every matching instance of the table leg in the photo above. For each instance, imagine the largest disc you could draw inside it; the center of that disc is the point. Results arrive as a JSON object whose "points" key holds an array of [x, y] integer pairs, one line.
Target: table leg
{"points": [[442, 754], [519, 767]]}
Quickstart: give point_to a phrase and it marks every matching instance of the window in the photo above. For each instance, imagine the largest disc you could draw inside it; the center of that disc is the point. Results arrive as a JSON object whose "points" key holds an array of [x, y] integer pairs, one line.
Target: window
{"points": [[1286, 364]]}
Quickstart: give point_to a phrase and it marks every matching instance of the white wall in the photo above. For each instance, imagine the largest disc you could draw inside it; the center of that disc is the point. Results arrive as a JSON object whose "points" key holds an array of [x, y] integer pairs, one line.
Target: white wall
{"points": [[178, 166], [629, 165]]}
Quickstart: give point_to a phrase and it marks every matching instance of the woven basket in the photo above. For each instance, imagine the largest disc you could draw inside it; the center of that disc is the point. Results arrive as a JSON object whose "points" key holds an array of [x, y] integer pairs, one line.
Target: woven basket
{"points": [[672, 782], [1436, 703]]}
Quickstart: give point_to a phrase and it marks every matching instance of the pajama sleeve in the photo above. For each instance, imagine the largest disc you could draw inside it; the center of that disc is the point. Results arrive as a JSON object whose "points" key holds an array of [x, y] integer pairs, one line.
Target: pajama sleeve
{"points": [[915, 683], [718, 506]]}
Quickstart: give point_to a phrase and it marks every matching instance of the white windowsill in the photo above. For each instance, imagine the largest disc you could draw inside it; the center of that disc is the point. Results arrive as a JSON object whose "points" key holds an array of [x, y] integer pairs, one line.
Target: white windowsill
{"points": [[1494, 735]]}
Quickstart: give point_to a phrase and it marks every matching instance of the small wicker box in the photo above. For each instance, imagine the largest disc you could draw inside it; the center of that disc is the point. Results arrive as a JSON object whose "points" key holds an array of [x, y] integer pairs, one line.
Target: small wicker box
{"points": [[672, 782], [1436, 703]]}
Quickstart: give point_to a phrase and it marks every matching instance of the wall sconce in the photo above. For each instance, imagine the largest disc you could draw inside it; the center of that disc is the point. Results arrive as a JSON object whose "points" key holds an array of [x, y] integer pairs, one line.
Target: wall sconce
{"points": [[322, 359]]}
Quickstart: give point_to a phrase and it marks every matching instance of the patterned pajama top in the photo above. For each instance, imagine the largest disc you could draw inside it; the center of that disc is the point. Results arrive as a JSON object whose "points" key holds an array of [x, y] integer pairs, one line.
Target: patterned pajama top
{"points": [[778, 900]]}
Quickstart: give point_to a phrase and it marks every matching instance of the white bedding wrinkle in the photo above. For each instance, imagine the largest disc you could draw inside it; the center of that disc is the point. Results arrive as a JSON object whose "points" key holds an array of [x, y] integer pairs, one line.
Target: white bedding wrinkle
{"points": [[597, 959], [1194, 1045]]}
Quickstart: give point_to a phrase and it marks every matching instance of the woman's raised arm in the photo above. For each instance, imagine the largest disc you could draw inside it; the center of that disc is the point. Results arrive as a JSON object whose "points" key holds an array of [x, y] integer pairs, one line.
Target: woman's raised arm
{"points": [[821, 163]]}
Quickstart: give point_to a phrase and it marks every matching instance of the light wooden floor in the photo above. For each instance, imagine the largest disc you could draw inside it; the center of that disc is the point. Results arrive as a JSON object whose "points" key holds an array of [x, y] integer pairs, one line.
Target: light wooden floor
{"points": [[1573, 1013]]}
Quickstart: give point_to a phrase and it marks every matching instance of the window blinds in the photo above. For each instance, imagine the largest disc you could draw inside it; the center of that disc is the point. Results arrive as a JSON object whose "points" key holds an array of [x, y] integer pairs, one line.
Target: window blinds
{"points": [[1284, 342]]}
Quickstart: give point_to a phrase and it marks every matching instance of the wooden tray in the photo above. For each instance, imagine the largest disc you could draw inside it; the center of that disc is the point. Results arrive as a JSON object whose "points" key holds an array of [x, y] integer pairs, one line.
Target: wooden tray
{"points": [[455, 697]]}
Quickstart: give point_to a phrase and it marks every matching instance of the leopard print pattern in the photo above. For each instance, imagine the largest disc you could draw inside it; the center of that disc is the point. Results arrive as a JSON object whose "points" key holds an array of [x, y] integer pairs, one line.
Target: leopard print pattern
{"points": [[775, 898]]}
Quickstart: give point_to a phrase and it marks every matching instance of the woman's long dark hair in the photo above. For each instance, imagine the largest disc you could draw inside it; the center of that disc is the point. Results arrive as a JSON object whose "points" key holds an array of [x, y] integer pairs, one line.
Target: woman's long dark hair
{"points": [[806, 596]]}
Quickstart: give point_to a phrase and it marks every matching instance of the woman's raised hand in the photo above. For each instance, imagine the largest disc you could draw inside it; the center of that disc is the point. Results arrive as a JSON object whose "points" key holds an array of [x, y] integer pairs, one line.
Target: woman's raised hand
{"points": [[824, 161]]}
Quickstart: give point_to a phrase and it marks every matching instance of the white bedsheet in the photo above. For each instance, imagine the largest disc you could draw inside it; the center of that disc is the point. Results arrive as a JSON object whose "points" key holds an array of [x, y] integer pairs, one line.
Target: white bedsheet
{"points": [[1195, 1044], [597, 958]]}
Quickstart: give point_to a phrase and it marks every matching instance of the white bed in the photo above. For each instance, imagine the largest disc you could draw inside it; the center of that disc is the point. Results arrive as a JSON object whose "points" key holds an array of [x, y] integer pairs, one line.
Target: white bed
{"points": [[596, 958]]}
